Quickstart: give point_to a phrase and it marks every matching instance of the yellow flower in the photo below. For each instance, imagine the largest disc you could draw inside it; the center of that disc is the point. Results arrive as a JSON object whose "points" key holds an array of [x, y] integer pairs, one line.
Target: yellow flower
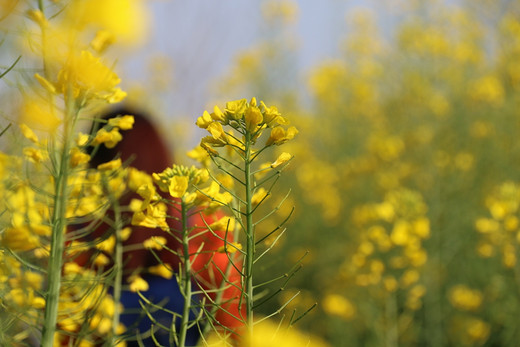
{"points": [[20, 239], [77, 157], [125, 20], [231, 247], [38, 303], [225, 223], [279, 135], [138, 284], [218, 115], [177, 186], [161, 270], [109, 138], [216, 130], [267, 333], [107, 245], [252, 117], [103, 39], [87, 74], [236, 109], [201, 155], [204, 121], [45, 83], [116, 96], [125, 233], [260, 195], [82, 139], [28, 133], [272, 116], [155, 242], [487, 89], [155, 217], [338, 305], [137, 178], [123, 123], [39, 114], [464, 298], [282, 159], [38, 17], [111, 165], [34, 154]]}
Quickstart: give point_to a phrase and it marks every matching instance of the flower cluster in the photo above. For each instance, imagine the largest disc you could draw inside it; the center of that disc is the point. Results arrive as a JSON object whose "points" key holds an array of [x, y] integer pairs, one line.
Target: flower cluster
{"points": [[244, 117], [390, 254], [500, 233]]}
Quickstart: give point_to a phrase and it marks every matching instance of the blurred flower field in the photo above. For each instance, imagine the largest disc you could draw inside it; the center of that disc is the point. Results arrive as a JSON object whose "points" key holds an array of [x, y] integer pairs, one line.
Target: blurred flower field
{"points": [[400, 194], [405, 189]]}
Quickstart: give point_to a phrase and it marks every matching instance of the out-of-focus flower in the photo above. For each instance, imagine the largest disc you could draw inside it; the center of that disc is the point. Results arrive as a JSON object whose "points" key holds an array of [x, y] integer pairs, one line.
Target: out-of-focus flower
{"points": [[465, 298], [231, 247], [138, 284], [338, 305], [124, 122], [111, 165], [39, 114], [109, 138], [87, 75], [282, 159]]}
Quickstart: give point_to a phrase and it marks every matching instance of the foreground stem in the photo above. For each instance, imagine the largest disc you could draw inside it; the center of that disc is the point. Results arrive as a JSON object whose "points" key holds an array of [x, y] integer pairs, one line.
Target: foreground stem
{"points": [[250, 248], [186, 278], [59, 226]]}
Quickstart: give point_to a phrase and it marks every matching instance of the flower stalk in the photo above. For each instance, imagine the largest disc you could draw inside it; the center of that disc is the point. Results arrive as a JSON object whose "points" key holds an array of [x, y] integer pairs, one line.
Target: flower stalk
{"points": [[186, 278], [59, 225], [250, 234]]}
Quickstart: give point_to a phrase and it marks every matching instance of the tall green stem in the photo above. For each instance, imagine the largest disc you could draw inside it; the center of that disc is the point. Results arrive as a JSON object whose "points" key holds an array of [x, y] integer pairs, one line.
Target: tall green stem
{"points": [[186, 278], [118, 269], [59, 225], [250, 250]]}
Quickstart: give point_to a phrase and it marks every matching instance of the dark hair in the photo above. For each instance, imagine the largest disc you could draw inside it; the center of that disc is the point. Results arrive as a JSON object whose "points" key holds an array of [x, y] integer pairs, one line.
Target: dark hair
{"points": [[142, 145]]}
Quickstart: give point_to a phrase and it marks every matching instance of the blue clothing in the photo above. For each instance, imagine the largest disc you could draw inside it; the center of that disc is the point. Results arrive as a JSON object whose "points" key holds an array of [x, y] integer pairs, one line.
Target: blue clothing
{"points": [[164, 293]]}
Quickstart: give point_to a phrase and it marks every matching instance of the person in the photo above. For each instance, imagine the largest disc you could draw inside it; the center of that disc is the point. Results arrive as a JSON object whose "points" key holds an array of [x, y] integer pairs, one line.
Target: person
{"points": [[144, 149]]}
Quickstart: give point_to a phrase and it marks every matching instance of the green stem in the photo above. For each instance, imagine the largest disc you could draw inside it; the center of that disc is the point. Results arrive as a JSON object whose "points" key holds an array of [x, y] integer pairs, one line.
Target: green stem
{"points": [[118, 269], [250, 248], [186, 278], [59, 225], [391, 324]]}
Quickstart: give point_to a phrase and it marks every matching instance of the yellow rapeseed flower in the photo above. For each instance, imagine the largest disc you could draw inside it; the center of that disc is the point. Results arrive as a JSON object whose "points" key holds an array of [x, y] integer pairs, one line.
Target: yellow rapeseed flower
{"points": [[338, 305], [28, 133], [465, 298], [38, 114], [161, 270], [204, 121], [236, 109], [279, 135], [282, 159], [109, 138], [155, 242], [86, 74], [111, 165], [137, 283], [231, 247], [252, 117], [225, 223], [124, 122], [77, 157]]}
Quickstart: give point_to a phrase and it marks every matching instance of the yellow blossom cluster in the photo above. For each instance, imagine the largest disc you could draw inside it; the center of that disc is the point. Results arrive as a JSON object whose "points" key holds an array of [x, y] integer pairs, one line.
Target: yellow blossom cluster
{"points": [[180, 182], [390, 253], [82, 292], [464, 298], [244, 117], [500, 232]]}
